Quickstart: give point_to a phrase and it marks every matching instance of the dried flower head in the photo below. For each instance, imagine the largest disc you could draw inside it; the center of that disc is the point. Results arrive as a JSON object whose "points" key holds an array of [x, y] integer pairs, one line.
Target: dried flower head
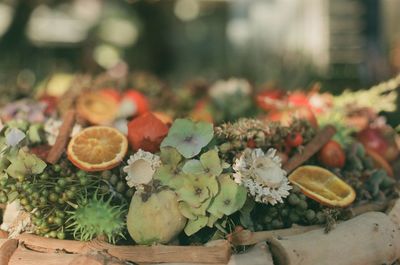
{"points": [[141, 168], [263, 175]]}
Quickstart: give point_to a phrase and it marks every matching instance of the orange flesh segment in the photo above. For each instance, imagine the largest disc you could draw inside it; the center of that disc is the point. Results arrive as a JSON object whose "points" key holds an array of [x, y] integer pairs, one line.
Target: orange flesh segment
{"points": [[323, 186]]}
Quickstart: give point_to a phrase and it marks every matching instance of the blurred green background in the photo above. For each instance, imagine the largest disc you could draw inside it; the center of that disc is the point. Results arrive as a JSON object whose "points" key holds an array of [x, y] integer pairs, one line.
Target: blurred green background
{"points": [[342, 43]]}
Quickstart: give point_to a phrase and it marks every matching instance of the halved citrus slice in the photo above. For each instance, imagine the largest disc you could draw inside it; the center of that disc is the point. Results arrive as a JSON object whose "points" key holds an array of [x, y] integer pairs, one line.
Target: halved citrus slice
{"points": [[323, 186], [97, 148], [96, 108]]}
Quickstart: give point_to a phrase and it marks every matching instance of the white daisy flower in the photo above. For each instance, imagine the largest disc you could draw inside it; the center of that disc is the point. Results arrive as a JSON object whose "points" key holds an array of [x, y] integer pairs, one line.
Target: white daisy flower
{"points": [[262, 175], [141, 168], [52, 128]]}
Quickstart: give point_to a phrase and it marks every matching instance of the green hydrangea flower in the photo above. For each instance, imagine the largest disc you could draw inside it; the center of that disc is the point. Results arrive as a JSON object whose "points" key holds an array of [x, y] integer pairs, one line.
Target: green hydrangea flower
{"points": [[188, 137]]}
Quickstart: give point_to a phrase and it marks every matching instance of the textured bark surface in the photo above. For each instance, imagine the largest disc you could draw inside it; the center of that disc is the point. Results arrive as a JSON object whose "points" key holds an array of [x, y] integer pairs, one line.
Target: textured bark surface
{"points": [[369, 239], [217, 252], [7, 249]]}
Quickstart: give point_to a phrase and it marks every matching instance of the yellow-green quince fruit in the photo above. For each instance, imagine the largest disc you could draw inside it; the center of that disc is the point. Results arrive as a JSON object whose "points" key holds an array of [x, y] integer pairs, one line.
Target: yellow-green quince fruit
{"points": [[155, 218]]}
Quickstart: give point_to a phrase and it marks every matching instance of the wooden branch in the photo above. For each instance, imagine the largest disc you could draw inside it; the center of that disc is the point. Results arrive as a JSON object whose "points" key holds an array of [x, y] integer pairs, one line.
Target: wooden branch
{"points": [[63, 136], [322, 137], [7, 249], [218, 253]]}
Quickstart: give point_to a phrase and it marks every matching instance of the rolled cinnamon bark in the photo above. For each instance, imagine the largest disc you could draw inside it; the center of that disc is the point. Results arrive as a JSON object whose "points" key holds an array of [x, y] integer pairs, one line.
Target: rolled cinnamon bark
{"points": [[369, 239]]}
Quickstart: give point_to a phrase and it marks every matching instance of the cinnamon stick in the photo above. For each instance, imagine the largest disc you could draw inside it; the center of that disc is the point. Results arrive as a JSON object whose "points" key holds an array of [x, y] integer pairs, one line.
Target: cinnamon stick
{"points": [[320, 139], [63, 136]]}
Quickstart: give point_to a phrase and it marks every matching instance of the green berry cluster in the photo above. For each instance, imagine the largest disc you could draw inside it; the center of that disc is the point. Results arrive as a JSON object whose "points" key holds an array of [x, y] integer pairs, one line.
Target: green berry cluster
{"points": [[369, 182], [296, 209], [48, 196]]}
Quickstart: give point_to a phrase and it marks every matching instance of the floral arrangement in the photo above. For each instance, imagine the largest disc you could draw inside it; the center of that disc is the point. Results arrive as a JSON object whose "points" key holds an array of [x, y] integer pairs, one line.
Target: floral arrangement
{"points": [[106, 164]]}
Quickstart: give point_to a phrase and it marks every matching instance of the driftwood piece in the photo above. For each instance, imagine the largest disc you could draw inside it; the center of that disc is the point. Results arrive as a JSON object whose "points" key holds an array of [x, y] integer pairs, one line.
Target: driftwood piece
{"points": [[394, 213], [247, 237], [217, 253], [369, 239], [24, 256], [62, 138], [258, 255], [7, 249], [322, 137]]}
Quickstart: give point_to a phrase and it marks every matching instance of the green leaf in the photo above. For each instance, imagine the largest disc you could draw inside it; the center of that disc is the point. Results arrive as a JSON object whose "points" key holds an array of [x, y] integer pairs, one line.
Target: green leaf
{"points": [[194, 167], [188, 137], [187, 211], [211, 163], [193, 212], [208, 165], [4, 163], [170, 156], [211, 220], [194, 226], [230, 199], [34, 133], [169, 176], [25, 164], [194, 193]]}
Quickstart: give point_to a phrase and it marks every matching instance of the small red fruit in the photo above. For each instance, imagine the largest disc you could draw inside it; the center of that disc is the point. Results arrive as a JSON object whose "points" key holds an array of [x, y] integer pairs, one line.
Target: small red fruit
{"points": [[41, 151], [269, 99], [251, 143], [298, 99], [146, 132], [332, 155], [140, 101], [51, 103], [294, 139]]}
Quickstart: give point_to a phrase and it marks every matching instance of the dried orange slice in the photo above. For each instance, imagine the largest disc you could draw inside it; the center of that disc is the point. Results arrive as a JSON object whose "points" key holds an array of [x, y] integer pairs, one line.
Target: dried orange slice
{"points": [[97, 148], [323, 186], [96, 108]]}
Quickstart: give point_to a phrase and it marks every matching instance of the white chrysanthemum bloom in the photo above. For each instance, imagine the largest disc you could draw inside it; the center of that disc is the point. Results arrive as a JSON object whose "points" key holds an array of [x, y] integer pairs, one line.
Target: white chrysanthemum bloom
{"points": [[262, 175], [229, 87], [141, 168], [52, 128]]}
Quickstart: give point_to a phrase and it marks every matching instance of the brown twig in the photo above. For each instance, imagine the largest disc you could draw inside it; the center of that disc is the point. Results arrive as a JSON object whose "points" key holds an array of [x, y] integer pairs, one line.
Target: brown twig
{"points": [[322, 137], [62, 139]]}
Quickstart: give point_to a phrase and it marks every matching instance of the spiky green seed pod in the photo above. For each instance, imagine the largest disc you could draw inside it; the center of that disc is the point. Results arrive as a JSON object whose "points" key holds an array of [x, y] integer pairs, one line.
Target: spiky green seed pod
{"points": [[96, 217]]}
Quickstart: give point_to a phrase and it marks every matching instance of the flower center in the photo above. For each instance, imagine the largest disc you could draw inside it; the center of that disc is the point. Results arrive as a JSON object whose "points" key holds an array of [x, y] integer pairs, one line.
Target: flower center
{"points": [[268, 172]]}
